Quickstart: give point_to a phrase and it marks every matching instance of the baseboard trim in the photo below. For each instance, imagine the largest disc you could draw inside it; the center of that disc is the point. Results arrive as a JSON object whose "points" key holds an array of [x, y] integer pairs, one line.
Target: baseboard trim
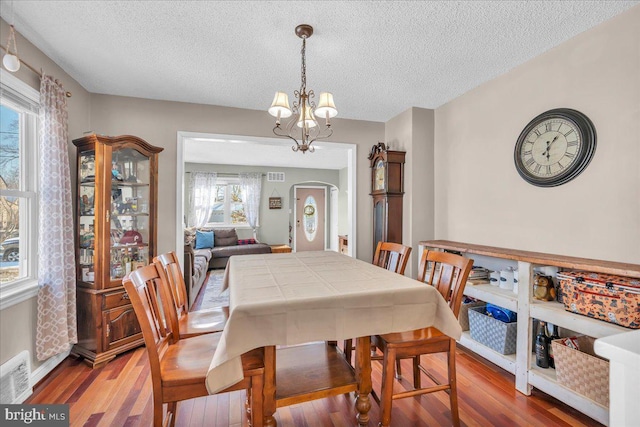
{"points": [[45, 369]]}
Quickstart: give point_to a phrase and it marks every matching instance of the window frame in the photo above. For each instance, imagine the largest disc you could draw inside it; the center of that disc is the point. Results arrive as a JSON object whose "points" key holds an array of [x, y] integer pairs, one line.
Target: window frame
{"points": [[19, 290], [227, 182]]}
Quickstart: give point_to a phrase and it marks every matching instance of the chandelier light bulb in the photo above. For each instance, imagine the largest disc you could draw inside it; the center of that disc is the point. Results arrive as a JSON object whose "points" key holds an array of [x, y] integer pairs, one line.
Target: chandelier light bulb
{"points": [[11, 62]]}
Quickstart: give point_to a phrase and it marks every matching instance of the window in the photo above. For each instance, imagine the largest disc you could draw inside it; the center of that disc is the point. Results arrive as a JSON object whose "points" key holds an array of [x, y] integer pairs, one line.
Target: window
{"points": [[18, 183], [228, 206]]}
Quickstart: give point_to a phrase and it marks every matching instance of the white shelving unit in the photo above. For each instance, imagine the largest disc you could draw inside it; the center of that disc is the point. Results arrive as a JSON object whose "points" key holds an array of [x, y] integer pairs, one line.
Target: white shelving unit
{"points": [[522, 364], [502, 297]]}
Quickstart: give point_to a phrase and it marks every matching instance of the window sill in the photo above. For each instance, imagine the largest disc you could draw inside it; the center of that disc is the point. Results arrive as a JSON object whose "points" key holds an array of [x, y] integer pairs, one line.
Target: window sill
{"points": [[18, 292], [236, 226]]}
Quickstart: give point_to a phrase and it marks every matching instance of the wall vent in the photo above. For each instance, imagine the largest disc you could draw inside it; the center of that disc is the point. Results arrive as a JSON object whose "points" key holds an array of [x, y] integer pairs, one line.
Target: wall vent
{"points": [[275, 176], [15, 385]]}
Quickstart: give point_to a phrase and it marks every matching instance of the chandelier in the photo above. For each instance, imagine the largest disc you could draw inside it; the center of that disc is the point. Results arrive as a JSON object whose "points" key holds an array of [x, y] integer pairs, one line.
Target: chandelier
{"points": [[304, 110]]}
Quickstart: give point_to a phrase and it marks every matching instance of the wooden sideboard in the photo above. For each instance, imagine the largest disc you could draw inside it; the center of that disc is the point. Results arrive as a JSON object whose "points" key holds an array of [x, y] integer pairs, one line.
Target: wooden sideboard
{"points": [[522, 363], [280, 249]]}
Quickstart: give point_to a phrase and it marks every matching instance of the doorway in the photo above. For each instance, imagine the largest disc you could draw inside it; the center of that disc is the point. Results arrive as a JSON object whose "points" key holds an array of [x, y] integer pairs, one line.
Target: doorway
{"points": [[218, 145], [310, 219]]}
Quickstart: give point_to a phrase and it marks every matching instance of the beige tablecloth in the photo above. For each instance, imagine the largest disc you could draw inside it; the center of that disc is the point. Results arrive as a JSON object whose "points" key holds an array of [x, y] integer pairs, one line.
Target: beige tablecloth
{"points": [[286, 299]]}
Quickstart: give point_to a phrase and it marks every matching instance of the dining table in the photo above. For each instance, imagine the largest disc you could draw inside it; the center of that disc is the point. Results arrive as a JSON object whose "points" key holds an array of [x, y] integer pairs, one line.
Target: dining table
{"points": [[285, 300]]}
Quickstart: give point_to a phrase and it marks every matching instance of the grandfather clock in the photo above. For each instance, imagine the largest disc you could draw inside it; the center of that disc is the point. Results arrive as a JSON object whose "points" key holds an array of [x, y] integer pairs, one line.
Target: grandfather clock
{"points": [[387, 190]]}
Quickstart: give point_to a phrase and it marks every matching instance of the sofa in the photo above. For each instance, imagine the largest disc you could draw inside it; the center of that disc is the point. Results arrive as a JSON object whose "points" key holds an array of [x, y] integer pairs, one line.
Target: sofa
{"points": [[225, 244]]}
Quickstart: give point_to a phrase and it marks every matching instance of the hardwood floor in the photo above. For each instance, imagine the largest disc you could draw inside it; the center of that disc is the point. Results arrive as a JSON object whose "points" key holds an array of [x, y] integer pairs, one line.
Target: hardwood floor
{"points": [[119, 394]]}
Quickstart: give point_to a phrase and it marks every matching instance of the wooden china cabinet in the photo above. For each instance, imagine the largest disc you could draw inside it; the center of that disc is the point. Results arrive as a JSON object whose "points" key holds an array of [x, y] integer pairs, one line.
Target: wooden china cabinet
{"points": [[387, 190], [116, 217]]}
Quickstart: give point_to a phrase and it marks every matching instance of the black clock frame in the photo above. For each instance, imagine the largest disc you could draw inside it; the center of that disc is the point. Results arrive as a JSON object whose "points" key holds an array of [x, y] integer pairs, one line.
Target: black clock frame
{"points": [[587, 135]]}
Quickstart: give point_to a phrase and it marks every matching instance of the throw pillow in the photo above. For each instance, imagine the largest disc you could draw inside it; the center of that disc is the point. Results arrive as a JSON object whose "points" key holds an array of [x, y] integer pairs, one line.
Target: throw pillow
{"points": [[189, 235], [246, 241], [226, 237], [204, 239]]}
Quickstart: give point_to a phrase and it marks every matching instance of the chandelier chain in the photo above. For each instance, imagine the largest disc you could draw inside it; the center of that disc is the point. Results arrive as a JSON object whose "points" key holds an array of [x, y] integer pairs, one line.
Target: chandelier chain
{"points": [[303, 70]]}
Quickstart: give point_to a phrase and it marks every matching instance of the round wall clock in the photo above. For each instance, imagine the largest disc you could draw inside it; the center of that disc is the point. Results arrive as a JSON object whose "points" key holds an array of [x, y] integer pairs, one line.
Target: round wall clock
{"points": [[555, 147]]}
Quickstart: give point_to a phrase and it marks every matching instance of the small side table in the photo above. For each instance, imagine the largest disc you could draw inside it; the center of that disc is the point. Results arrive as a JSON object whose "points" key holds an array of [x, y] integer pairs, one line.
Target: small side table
{"points": [[280, 249]]}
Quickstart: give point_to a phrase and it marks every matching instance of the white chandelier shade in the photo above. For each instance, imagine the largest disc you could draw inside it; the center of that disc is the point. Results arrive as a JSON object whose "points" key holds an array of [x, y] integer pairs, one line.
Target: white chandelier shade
{"points": [[326, 107], [280, 106]]}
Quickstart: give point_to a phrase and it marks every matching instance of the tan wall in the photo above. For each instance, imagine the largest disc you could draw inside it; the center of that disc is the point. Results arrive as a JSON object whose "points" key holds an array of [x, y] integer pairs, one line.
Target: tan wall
{"points": [[18, 322], [412, 131], [480, 198], [422, 180], [158, 122]]}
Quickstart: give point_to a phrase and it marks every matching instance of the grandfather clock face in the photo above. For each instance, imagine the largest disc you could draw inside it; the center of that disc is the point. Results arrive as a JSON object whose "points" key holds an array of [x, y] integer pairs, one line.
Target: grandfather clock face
{"points": [[379, 176]]}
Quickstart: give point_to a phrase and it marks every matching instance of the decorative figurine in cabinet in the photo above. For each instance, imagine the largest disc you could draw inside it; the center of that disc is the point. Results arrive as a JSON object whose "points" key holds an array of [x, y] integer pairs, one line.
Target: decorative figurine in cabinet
{"points": [[387, 190], [116, 220]]}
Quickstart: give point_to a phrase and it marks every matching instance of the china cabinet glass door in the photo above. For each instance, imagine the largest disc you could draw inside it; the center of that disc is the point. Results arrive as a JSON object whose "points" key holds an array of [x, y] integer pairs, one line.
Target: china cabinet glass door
{"points": [[129, 212], [86, 223]]}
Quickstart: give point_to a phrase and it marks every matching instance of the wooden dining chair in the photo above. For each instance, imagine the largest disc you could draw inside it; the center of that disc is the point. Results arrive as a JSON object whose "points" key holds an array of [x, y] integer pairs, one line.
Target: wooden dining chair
{"points": [[190, 323], [390, 256], [448, 274], [179, 366]]}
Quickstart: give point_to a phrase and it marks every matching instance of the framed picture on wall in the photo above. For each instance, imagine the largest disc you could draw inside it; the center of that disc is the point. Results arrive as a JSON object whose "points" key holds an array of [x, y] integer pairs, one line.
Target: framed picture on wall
{"points": [[275, 202]]}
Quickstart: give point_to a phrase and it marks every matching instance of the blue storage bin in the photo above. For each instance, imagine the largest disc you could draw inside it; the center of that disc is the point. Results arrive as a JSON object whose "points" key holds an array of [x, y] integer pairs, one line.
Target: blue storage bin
{"points": [[501, 314]]}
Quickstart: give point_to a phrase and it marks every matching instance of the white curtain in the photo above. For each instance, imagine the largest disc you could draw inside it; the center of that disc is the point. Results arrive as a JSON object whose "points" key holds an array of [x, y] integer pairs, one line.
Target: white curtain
{"points": [[251, 183], [56, 329], [202, 195]]}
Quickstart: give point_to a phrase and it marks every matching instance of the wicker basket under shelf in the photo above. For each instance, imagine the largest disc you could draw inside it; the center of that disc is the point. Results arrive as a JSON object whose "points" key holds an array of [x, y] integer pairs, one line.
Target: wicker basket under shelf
{"points": [[463, 317], [581, 371], [493, 333]]}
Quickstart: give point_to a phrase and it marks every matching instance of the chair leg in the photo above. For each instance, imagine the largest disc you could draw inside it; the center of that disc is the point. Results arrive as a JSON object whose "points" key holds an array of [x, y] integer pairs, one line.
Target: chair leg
{"points": [[171, 412], [398, 370], [348, 348], [417, 384], [453, 392], [158, 412], [257, 413], [386, 395]]}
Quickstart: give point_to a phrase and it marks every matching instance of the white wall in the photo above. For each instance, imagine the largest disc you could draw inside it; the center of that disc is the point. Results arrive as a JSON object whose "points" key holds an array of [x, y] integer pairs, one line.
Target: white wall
{"points": [[343, 194], [480, 198]]}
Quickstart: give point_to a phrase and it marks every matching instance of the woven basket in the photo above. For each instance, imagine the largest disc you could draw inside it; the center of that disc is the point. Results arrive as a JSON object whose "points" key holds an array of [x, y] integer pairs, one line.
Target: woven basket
{"points": [[581, 371], [463, 316], [493, 333]]}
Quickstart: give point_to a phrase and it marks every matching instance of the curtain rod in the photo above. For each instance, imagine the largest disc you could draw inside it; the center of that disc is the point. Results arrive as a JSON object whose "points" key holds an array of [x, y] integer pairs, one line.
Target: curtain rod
{"points": [[38, 73]]}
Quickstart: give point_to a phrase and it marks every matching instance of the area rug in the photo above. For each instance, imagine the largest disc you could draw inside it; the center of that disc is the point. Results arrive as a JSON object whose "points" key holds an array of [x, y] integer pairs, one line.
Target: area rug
{"points": [[211, 295]]}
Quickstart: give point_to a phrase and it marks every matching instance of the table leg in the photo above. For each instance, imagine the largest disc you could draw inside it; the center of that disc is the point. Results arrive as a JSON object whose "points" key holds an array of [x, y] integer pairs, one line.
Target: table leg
{"points": [[363, 376], [269, 401]]}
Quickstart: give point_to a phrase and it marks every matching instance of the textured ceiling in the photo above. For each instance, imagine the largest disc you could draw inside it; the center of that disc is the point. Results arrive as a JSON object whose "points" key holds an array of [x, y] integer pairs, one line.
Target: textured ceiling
{"points": [[378, 58]]}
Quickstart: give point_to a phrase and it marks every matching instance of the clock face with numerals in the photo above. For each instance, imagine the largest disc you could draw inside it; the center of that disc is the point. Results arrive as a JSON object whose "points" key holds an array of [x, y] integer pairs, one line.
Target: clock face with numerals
{"points": [[555, 147], [379, 176]]}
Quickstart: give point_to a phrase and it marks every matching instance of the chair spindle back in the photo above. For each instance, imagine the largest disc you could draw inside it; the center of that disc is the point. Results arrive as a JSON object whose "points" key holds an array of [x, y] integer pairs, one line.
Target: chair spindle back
{"points": [[448, 273], [392, 256], [148, 295]]}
